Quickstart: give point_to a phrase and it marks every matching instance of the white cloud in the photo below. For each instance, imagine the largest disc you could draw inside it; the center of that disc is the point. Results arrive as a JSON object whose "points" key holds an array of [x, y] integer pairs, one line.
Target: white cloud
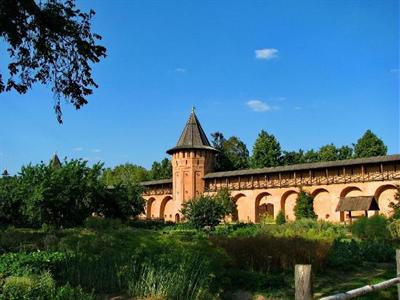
{"points": [[266, 53], [180, 70], [258, 106], [78, 149]]}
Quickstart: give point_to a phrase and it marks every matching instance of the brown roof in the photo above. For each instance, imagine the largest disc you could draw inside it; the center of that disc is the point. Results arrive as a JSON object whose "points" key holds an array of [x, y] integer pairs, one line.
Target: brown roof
{"points": [[359, 203], [307, 166], [156, 182], [192, 137]]}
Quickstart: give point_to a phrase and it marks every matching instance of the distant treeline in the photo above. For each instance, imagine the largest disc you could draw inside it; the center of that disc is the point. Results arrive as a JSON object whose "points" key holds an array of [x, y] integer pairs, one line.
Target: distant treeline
{"points": [[266, 152]]}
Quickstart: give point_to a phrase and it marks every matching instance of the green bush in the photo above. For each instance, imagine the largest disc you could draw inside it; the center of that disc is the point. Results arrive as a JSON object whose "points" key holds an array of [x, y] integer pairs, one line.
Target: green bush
{"points": [[307, 229], [394, 229], [28, 287], [188, 279], [263, 253], [204, 211], [236, 229], [304, 208], [348, 253], [280, 218], [373, 228], [101, 224]]}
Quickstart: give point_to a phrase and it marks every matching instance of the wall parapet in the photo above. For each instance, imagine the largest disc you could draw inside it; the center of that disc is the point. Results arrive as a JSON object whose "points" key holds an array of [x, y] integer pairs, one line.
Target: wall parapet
{"points": [[337, 174]]}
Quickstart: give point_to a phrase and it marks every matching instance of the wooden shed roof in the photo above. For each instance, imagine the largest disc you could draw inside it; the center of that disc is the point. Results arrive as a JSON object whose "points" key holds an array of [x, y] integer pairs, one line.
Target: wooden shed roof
{"points": [[358, 203]]}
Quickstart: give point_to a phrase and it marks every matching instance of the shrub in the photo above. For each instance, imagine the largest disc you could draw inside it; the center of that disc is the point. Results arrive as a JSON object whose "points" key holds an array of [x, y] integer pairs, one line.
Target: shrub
{"points": [[394, 229], [280, 218], [264, 253], [203, 211], [304, 206], [101, 224], [28, 287], [307, 229], [371, 228]]}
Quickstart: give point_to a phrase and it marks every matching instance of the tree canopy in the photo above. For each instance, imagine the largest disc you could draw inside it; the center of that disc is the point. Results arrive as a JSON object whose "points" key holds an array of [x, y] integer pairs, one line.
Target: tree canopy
{"points": [[369, 145], [266, 151], [232, 155], [51, 43]]}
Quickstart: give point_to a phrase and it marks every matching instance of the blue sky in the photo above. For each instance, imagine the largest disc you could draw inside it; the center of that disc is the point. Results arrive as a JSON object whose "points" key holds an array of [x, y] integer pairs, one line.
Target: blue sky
{"points": [[310, 72]]}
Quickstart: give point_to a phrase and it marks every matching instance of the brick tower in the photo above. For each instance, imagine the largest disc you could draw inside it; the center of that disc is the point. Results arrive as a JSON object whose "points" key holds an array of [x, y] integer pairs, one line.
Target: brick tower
{"points": [[192, 158]]}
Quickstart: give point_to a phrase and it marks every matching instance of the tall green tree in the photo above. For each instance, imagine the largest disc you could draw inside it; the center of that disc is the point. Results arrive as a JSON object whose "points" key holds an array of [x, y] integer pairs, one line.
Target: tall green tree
{"points": [[266, 151], [161, 170], [203, 211], [311, 156], [50, 42], [304, 208], [345, 152], [10, 201], [369, 145], [328, 153], [62, 196], [125, 174], [233, 153], [292, 157]]}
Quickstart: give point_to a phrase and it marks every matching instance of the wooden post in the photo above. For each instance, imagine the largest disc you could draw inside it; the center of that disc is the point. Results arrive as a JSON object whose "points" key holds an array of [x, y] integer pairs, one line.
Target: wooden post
{"points": [[398, 271], [303, 282]]}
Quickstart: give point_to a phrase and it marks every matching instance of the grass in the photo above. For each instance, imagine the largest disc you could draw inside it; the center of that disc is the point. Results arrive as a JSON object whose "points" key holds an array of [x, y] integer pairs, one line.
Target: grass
{"points": [[148, 261]]}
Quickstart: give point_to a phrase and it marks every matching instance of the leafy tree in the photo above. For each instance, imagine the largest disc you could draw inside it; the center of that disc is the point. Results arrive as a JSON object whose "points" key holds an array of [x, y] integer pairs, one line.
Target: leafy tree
{"points": [[51, 43], [232, 155], [280, 218], [345, 152], [369, 145], [161, 170], [224, 197], [311, 156], [62, 196], [304, 208], [203, 211], [122, 201], [125, 174], [328, 153], [396, 204], [292, 157], [10, 201], [266, 151], [236, 153]]}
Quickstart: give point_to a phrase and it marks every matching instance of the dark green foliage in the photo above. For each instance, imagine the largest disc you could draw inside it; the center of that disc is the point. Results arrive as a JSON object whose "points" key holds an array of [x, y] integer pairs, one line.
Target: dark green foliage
{"points": [[161, 170], [280, 218], [10, 200], [254, 281], [396, 204], [346, 254], [125, 174], [304, 208], [64, 196], [373, 228], [369, 145], [344, 152], [266, 151], [292, 157], [328, 153], [203, 211], [121, 201], [311, 156], [264, 253], [223, 196], [232, 155], [50, 43]]}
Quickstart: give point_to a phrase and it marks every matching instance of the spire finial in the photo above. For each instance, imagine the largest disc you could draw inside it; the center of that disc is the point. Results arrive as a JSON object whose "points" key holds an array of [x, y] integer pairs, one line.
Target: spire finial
{"points": [[193, 109]]}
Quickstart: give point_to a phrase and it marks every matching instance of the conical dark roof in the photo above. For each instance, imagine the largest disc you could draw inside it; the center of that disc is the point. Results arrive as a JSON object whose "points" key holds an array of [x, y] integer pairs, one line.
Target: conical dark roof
{"points": [[55, 161], [192, 137], [5, 173]]}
